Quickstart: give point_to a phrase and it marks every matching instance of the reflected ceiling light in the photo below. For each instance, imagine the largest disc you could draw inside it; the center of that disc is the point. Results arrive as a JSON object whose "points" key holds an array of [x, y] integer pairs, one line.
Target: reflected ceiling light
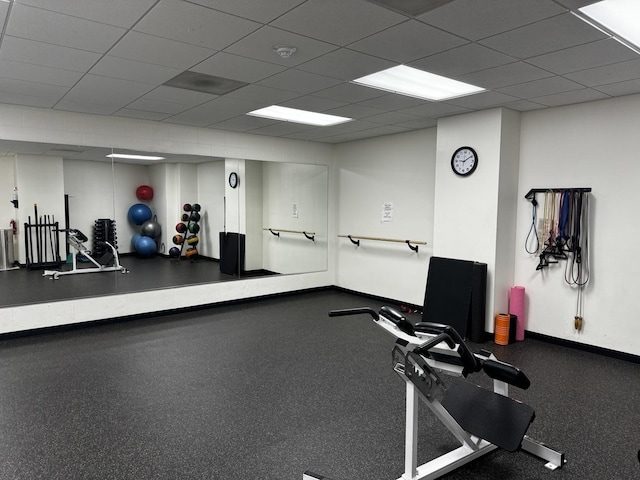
{"points": [[294, 115], [412, 82], [134, 157], [618, 18]]}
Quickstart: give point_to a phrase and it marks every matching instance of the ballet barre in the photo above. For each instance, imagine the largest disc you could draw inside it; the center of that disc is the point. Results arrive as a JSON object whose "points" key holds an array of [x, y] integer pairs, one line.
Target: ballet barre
{"points": [[276, 232], [355, 239]]}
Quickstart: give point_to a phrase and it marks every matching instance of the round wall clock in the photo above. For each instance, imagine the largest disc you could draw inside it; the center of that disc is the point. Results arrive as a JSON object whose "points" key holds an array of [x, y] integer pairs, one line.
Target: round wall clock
{"points": [[464, 161], [233, 180]]}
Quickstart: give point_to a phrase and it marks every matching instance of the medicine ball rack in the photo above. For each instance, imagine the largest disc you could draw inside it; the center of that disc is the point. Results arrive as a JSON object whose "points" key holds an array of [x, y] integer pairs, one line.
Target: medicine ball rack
{"points": [[190, 225]]}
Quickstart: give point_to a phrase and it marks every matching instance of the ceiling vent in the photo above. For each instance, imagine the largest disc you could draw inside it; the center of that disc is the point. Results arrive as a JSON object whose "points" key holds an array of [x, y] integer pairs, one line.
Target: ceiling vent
{"points": [[412, 8], [201, 82]]}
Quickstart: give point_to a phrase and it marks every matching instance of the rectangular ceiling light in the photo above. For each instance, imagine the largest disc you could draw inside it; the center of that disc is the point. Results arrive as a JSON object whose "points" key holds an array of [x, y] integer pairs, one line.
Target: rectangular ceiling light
{"points": [[618, 18], [294, 115], [133, 157], [417, 83]]}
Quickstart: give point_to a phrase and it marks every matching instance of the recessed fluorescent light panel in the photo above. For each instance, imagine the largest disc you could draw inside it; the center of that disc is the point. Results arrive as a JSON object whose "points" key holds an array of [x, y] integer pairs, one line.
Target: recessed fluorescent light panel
{"points": [[619, 17], [417, 83], [133, 157], [294, 115]]}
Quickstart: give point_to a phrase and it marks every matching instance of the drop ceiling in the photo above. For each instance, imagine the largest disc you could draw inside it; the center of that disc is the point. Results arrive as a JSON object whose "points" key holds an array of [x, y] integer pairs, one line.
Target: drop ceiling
{"points": [[118, 58]]}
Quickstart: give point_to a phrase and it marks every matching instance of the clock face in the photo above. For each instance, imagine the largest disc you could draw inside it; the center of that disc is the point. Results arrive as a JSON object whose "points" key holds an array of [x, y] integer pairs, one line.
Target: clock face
{"points": [[464, 161], [233, 179]]}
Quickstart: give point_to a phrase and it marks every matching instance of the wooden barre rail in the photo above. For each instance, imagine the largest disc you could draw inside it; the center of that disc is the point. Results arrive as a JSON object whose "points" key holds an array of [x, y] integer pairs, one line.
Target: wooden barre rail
{"points": [[413, 244], [276, 231]]}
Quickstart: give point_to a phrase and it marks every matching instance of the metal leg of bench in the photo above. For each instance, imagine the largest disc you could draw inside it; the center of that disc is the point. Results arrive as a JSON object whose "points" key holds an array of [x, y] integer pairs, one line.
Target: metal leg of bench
{"points": [[554, 458]]}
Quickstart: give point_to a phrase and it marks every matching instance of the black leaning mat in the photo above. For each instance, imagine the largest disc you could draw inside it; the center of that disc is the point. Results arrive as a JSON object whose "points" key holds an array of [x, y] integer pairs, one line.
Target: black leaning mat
{"points": [[500, 420], [448, 295]]}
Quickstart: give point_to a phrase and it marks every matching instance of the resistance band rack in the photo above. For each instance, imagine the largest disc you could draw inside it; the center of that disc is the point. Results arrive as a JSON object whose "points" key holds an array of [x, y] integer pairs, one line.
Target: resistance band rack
{"points": [[355, 239], [531, 193], [276, 232]]}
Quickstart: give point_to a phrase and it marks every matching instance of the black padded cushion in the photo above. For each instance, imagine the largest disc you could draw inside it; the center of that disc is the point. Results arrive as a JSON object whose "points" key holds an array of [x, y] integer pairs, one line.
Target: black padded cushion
{"points": [[500, 420]]}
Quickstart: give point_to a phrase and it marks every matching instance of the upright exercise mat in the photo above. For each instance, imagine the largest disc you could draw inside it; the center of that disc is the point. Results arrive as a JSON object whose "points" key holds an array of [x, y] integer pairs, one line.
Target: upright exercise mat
{"points": [[478, 303], [232, 251], [456, 295], [447, 298], [517, 308]]}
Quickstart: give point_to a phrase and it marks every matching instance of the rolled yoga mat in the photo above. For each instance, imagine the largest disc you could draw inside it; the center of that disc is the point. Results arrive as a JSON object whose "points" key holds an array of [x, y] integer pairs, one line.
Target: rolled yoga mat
{"points": [[516, 307]]}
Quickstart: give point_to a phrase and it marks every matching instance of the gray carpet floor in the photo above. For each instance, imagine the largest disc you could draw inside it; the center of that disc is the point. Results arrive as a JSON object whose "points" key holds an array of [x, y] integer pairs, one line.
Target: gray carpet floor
{"points": [[268, 389]]}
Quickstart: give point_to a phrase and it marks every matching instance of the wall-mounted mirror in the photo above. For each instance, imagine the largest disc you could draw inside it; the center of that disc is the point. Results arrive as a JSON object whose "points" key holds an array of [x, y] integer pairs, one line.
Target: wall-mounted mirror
{"points": [[273, 220]]}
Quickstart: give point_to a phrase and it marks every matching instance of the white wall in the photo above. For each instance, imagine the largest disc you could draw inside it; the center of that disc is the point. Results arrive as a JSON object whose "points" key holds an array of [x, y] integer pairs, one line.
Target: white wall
{"points": [[589, 145], [253, 186], [40, 182], [397, 169], [7, 183], [306, 187], [211, 185]]}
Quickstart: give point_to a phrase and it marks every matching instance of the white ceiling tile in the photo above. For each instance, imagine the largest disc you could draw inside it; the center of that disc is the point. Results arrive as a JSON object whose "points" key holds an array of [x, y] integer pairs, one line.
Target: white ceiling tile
{"points": [[157, 106], [391, 118], [281, 128], [392, 101], [136, 71], [29, 72], [81, 105], [349, 92], [539, 88], [407, 42], [159, 51], [473, 19], [188, 98], [345, 64], [363, 134], [482, 100], [262, 95], [354, 110], [619, 72], [621, 88], [38, 53], [242, 123], [143, 115], [582, 57], [337, 21], [263, 12], [194, 24], [544, 37], [418, 123], [299, 81], [50, 27], [313, 103], [113, 91], [217, 110], [259, 45], [28, 100], [35, 89], [460, 60], [523, 105], [434, 109], [505, 75], [244, 69], [121, 13], [568, 98]]}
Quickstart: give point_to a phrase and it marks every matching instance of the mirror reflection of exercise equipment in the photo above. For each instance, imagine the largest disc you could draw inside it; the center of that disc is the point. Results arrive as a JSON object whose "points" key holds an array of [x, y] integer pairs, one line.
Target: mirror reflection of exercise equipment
{"points": [[108, 262], [481, 420]]}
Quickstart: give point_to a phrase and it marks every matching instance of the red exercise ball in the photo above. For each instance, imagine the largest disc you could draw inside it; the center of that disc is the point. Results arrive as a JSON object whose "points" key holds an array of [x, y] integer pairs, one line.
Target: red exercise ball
{"points": [[144, 192]]}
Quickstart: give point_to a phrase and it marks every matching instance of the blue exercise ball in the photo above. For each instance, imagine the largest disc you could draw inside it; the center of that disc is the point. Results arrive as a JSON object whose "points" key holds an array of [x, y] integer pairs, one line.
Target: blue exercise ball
{"points": [[134, 239], [146, 246], [139, 213]]}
